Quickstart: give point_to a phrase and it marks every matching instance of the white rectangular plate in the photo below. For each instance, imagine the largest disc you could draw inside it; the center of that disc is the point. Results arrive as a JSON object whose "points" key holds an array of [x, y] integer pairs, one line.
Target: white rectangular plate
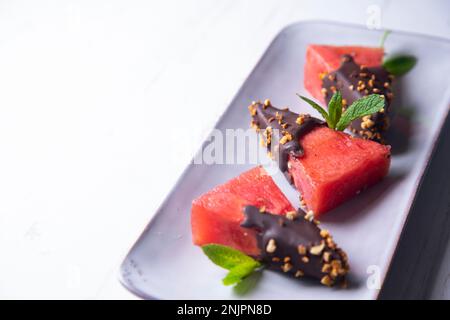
{"points": [[164, 263]]}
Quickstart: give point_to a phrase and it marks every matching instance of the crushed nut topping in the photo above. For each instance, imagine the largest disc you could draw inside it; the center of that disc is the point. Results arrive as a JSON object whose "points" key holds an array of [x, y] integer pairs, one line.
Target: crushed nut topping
{"points": [[271, 246], [301, 249], [336, 264], [317, 250], [299, 273], [254, 125], [333, 274], [326, 268], [330, 243], [291, 215], [326, 280], [309, 215], [326, 256], [367, 124], [286, 138], [324, 233], [279, 117], [286, 267], [300, 119]]}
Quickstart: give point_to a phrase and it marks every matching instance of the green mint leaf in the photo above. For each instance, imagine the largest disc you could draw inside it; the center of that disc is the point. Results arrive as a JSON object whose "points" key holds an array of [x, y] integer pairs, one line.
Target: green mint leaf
{"points": [[384, 37], [399, 65], [239, 264], [248, 284], [226, 257], [335, 109], [239, 272], [360, 108], [321, 110]]}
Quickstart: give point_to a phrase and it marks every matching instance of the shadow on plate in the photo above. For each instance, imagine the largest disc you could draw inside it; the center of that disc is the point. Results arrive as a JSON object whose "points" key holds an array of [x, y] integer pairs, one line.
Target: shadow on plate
{"points": [[401, 131], [402, 119], [362, 204]]}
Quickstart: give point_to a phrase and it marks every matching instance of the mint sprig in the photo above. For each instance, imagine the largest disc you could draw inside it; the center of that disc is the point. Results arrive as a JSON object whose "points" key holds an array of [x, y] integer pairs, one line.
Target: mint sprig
{"points": [[399, 65], [321, 110], [237, 263], [335, 108], [358, 109]]}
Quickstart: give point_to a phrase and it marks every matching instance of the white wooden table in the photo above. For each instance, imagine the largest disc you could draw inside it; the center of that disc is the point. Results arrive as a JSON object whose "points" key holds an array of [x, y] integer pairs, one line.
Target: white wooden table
{"points": [[83, 85]]}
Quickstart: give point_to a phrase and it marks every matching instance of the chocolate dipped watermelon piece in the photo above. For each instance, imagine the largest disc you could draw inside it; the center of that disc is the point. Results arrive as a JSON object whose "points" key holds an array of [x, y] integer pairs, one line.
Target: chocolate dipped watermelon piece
{"points": [[355, 72], [323, 59], [355, 81], [328, 167], [217, 215], [249, 213]]}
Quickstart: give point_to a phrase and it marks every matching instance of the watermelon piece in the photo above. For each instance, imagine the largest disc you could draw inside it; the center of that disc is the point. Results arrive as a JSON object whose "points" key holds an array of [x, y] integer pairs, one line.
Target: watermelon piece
{"points": [[323, 59], [327, 166], [216, 215], [335, 167]]}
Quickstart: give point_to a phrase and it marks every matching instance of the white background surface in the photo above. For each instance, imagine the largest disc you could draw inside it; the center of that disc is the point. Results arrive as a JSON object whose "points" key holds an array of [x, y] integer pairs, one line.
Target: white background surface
{"points": [[85, 89]]}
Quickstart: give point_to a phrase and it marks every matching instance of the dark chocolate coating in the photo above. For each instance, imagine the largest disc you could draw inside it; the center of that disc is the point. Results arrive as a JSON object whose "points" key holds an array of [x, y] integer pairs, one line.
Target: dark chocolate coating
{"points": [[354, 82], [287, 235], [266, 116]]}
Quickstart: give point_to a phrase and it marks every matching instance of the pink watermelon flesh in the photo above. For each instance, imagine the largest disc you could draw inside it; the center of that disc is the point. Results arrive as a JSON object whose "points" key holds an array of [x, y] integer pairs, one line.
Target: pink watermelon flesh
{"points": [[216, 215], [321, 60], [335, 167]]}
